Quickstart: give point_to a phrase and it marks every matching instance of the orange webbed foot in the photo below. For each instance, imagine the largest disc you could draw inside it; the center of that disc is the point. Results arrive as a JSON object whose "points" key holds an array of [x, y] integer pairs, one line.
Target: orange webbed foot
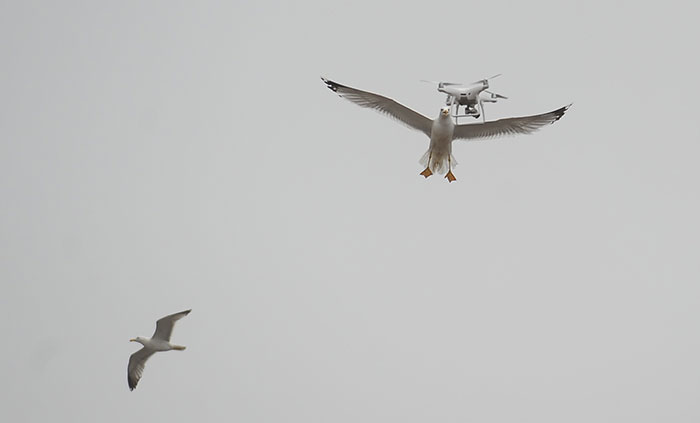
{"points": [[427, 172], [450, 176]]}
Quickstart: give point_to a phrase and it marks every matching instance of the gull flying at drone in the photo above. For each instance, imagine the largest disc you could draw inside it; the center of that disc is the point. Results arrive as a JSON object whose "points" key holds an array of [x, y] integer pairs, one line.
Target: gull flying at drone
{"points": [[469, 95], [443, 130]]}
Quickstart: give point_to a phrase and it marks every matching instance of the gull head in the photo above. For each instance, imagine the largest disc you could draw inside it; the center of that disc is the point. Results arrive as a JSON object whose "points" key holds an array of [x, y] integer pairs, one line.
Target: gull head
{"points": [[137, 339], [445, 111]]}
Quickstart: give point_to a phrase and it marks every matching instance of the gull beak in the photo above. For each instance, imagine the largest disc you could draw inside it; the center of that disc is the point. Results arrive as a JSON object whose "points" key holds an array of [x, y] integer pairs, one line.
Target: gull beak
{"points": [[132, 340]]}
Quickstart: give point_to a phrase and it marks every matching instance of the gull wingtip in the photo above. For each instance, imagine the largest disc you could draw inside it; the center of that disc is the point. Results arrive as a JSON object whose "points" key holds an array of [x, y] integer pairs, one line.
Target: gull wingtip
{"points": [[561, 111], [333, 86]]}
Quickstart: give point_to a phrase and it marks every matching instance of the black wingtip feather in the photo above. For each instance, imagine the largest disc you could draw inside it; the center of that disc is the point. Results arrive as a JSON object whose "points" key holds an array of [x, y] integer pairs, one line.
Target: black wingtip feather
{"points": [[333, 86], [560, 112]]}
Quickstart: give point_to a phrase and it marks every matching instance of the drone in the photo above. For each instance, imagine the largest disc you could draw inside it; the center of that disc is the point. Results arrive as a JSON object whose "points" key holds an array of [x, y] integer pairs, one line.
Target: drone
{"points": [[470, 96]]}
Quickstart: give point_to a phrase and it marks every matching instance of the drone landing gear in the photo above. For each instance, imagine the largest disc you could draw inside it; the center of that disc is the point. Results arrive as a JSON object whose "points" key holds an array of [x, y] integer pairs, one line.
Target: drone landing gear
{"points": [[469, 111]]}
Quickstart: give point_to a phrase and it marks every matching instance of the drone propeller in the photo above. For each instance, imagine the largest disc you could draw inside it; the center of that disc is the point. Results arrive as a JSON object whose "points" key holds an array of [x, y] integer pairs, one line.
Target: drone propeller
{"points": [[488, 79], [444, 84], [495, 95]]}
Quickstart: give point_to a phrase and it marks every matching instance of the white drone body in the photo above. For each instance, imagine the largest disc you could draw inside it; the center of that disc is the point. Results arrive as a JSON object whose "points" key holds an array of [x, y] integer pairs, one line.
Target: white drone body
{"points": [[471, 96]]}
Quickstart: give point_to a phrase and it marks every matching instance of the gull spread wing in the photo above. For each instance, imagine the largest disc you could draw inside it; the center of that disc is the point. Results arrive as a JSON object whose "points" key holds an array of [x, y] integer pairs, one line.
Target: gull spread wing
{"points": [[137, 362], [384, 105], [510, 126], [164, 326]]}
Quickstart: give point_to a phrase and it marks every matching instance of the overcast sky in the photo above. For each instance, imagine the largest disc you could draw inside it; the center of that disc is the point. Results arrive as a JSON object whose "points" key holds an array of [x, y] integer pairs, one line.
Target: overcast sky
{"points": [[160, 156]]}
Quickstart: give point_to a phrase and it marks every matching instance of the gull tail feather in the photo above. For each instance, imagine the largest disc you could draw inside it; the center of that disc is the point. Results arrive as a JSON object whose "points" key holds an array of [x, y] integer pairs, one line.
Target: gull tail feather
{"points": [[438, 162]]}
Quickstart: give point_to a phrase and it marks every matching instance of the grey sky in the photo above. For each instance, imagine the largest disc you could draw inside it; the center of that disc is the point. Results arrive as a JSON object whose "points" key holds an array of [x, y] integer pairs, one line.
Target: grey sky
{"points": [[157, 157]]}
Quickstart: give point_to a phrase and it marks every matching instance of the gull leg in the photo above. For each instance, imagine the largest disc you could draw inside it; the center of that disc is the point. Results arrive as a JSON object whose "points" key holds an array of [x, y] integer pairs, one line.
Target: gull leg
{"points": [[427, 172], [450, 176]]}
